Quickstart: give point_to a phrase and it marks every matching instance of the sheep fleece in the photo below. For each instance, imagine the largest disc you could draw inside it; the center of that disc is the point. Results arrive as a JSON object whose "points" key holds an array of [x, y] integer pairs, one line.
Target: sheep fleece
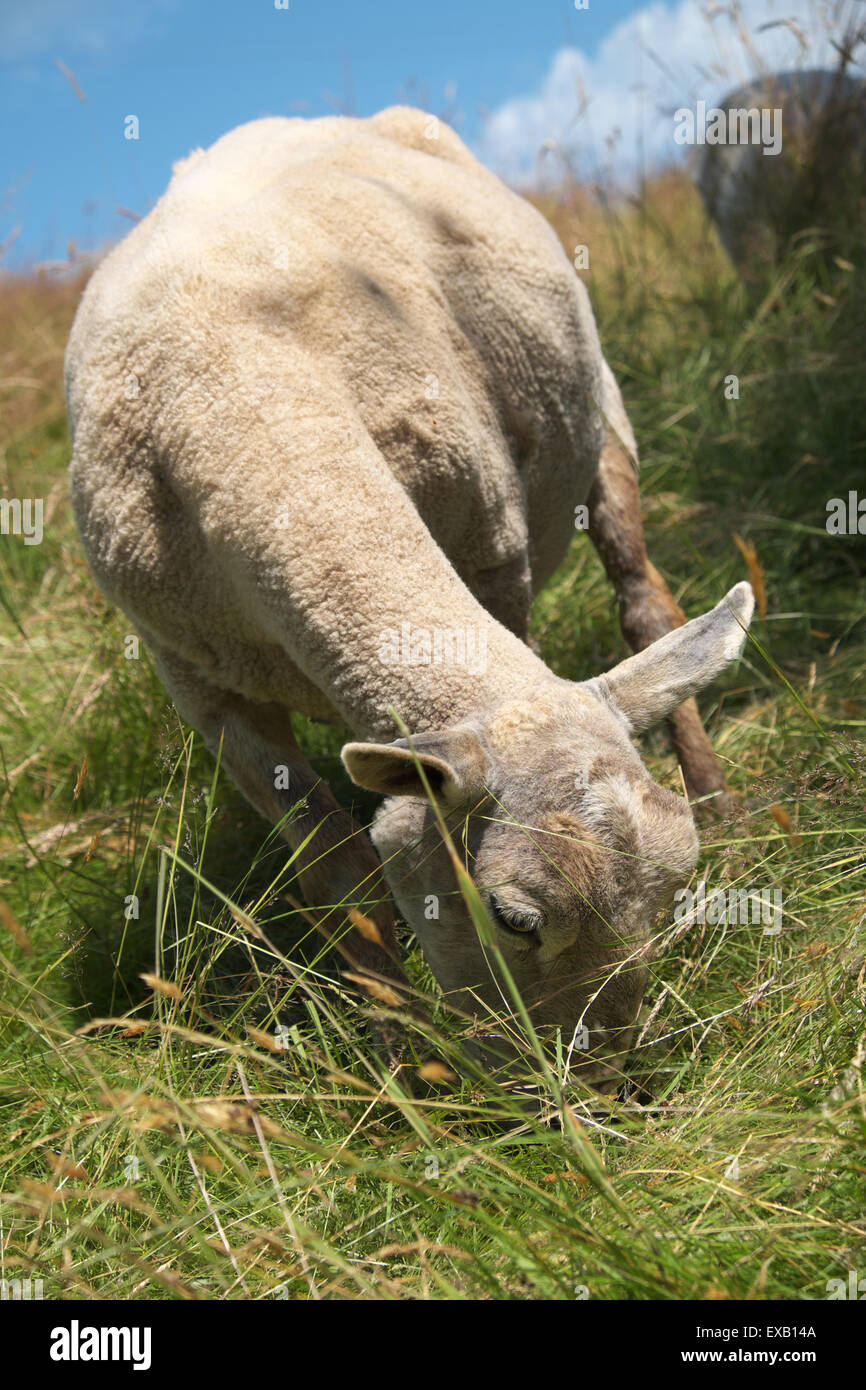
{"points": [[335, 353]]}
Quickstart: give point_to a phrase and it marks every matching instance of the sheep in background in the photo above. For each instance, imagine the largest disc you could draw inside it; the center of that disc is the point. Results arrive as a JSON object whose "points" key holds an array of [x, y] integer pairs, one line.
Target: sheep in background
{"points": [[759, 201]]}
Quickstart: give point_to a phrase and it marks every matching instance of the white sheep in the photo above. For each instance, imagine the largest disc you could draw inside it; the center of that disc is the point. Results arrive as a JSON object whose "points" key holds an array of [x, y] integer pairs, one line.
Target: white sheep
{"points": [[334, 402]]}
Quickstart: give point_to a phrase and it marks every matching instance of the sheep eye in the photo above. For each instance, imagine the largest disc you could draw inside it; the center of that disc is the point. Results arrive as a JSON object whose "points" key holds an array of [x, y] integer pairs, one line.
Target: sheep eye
{"points": [[517, 919]]}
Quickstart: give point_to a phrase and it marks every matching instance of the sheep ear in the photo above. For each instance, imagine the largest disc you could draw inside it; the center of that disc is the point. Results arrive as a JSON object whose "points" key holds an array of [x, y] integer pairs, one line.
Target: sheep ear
{"points": [[454, 764], [651, 684]]}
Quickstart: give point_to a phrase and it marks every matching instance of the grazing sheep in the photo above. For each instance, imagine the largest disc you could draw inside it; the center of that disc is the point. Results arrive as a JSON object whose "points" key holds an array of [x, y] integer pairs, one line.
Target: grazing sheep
{"points": [[334, 403], [759, 201]]}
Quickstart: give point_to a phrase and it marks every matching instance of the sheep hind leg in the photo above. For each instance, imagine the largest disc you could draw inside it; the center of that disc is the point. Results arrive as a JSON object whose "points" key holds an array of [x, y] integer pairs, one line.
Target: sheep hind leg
{"points": [[337, 867], [647, 608]]}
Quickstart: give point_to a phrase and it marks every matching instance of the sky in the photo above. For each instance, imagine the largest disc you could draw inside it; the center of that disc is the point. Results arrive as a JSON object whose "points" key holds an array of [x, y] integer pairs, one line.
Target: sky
{"points": [[530, 86]]}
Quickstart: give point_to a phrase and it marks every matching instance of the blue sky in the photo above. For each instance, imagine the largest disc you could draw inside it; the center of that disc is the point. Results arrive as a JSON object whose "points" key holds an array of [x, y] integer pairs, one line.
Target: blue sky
{"points": [[509, 74]]}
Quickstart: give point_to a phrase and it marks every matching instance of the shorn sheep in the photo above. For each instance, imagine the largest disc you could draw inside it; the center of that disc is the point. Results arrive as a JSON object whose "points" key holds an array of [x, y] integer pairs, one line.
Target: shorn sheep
{"points": [[334, 403]]}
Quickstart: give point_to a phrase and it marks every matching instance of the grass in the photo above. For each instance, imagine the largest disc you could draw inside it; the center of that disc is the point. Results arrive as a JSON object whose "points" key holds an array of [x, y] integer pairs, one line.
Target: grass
{"points": [[233, 1134]]}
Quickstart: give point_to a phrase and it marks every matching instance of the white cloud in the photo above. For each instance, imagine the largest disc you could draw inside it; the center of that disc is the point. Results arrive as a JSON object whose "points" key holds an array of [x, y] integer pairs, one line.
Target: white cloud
{"points": [[608, 112]]}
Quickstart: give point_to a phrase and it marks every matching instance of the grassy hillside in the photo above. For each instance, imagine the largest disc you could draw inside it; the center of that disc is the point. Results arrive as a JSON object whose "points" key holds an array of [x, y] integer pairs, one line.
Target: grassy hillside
{"points": [[234, 1135]]}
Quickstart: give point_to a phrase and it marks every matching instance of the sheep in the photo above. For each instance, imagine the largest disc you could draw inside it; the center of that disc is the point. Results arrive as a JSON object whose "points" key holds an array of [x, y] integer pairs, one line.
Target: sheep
{"points": [[334, 403], [759, 200]]}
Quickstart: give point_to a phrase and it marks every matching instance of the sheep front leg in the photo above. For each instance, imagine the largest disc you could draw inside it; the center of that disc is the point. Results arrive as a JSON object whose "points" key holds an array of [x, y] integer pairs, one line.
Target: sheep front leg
{"points": [[647, 609], [337, 868]]}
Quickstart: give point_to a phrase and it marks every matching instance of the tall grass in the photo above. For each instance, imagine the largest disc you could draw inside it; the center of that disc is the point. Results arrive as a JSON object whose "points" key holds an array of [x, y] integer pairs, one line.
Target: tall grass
{"points": [[224, 1127]]}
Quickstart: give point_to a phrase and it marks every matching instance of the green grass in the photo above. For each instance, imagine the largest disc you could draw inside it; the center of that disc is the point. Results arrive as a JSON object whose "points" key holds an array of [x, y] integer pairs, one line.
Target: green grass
{"points": [[239, 1136]]}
